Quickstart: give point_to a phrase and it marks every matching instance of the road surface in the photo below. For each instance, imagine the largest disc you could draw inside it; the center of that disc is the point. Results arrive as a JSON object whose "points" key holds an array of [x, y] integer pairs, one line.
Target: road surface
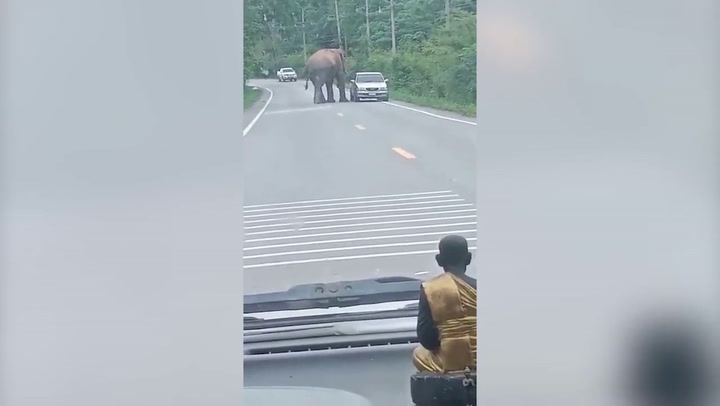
{"points": [[351, 190]]}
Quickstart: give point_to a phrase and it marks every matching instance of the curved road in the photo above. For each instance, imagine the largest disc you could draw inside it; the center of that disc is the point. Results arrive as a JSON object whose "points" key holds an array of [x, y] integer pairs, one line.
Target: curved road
{"points": [[353, 190]]}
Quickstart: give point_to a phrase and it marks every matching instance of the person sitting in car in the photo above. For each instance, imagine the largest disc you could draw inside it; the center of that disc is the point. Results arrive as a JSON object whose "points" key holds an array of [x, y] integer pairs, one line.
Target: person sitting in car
{"points": [[447, 314]]}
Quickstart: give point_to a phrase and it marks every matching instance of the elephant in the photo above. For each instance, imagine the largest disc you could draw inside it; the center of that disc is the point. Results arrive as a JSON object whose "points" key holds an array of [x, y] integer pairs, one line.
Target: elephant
{"points": [[323, 68]]}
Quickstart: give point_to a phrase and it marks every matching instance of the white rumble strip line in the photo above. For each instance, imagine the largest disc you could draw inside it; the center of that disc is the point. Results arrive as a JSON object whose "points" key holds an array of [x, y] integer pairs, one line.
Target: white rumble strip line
{"points": [[287, 230], [348, 198], [354, 207], [290, 237], [351, 248], [447, 206], [347, 203], [380, 237], [344, 258], [431, 213]]}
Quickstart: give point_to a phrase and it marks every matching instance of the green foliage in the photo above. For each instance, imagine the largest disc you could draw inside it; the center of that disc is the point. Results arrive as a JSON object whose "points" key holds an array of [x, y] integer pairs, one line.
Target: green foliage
{"points": [[434, 64], [250, 96]]}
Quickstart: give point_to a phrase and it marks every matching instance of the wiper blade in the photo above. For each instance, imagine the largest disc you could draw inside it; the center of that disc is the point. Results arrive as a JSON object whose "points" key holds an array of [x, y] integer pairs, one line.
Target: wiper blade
{"points": [[340, 294]]}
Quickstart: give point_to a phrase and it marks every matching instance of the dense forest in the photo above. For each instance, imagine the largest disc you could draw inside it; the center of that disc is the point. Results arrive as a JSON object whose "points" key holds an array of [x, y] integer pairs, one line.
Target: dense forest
{"points": [[426, 48]]}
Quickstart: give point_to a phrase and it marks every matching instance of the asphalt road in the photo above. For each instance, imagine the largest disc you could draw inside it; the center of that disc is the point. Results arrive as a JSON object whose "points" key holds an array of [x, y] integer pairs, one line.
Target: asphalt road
{"points": [[351, 190]]}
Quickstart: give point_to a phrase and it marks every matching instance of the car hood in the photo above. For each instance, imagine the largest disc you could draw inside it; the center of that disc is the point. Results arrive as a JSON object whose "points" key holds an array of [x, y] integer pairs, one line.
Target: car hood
{"points": [[372, 84], [301, 396]]}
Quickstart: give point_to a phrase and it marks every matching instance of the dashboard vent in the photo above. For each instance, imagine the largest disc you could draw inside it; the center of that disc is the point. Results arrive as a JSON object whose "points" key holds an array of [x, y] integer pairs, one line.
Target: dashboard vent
{"points": [[324, 345]]}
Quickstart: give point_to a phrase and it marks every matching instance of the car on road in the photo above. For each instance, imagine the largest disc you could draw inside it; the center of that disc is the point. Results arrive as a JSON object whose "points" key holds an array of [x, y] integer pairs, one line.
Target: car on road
{"points": [[287, 75], [369, 85]]}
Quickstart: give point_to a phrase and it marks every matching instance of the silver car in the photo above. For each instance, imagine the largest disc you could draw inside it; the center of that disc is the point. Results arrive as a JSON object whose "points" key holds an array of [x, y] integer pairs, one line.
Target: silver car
{"points": [[369, 85], [287, 75]]}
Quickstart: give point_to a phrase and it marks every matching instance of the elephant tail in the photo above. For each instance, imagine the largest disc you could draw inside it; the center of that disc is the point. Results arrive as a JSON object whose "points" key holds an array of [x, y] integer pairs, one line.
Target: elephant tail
{"points": [[306, 82]]}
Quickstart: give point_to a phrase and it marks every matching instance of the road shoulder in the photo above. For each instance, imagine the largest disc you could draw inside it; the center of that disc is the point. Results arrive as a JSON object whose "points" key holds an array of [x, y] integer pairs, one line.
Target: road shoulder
{"points": [[441, 114], [251, 112], [437, 113]]}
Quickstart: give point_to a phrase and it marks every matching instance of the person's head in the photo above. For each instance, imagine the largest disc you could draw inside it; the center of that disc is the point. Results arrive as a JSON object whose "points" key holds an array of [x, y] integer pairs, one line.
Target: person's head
{"points": [[454, 255]]}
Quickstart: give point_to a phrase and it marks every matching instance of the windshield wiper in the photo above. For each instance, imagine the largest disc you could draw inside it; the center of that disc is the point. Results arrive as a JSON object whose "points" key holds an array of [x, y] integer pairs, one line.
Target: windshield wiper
{"points": [[340, 294]]}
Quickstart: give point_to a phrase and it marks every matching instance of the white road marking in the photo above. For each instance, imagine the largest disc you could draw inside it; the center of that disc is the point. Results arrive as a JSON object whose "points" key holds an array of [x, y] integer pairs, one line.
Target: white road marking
{"points": [[379, 230], [447, 206], [422, 273], [354, 207], [359, 127], [262, 110], [357, 247], [349, 198], [403, 199], [309, 261], [302, 110], [362, 218], [377, 237], [430, 114], [312, 229], [287, 230], [340, 114], [403, 153]]}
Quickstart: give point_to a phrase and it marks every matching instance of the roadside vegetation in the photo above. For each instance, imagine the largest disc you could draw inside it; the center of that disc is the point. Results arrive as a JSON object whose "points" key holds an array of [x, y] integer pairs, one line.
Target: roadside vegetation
{"points": [[250, 96], [429, 59]]}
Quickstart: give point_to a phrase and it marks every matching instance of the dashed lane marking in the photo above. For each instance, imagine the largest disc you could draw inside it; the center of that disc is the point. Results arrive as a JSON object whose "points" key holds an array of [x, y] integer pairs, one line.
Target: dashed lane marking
{"points": [[403, 153]]}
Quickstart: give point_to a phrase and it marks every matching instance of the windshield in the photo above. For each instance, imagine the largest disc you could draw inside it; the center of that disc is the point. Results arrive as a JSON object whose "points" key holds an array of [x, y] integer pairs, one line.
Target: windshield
{"points": [[368, 78], [345, 187]]}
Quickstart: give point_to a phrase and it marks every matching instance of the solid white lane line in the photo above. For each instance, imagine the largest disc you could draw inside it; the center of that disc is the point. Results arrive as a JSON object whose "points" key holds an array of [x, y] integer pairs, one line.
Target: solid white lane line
{"points": [[372, 206], [378, 230], [380, 237], [404, 199], [433, 213], [344, 258], [361, 225], [262, 110], [351, 248], [347, 198], [447, 206], [430, 114]]}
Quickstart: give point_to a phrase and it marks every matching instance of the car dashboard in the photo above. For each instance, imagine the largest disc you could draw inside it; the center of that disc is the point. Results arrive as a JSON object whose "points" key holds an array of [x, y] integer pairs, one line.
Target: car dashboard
{"points": [[366, 359]]}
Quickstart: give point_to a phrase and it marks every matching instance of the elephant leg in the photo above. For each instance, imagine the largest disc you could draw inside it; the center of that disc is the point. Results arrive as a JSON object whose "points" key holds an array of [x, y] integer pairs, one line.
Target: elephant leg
{"points": [[330, 92], [341, 89], [318, 98]]}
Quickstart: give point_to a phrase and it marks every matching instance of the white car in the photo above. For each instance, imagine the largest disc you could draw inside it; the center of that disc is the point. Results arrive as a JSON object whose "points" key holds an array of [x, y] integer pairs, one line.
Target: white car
{"points": [[369, 85], [287, 75]]}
